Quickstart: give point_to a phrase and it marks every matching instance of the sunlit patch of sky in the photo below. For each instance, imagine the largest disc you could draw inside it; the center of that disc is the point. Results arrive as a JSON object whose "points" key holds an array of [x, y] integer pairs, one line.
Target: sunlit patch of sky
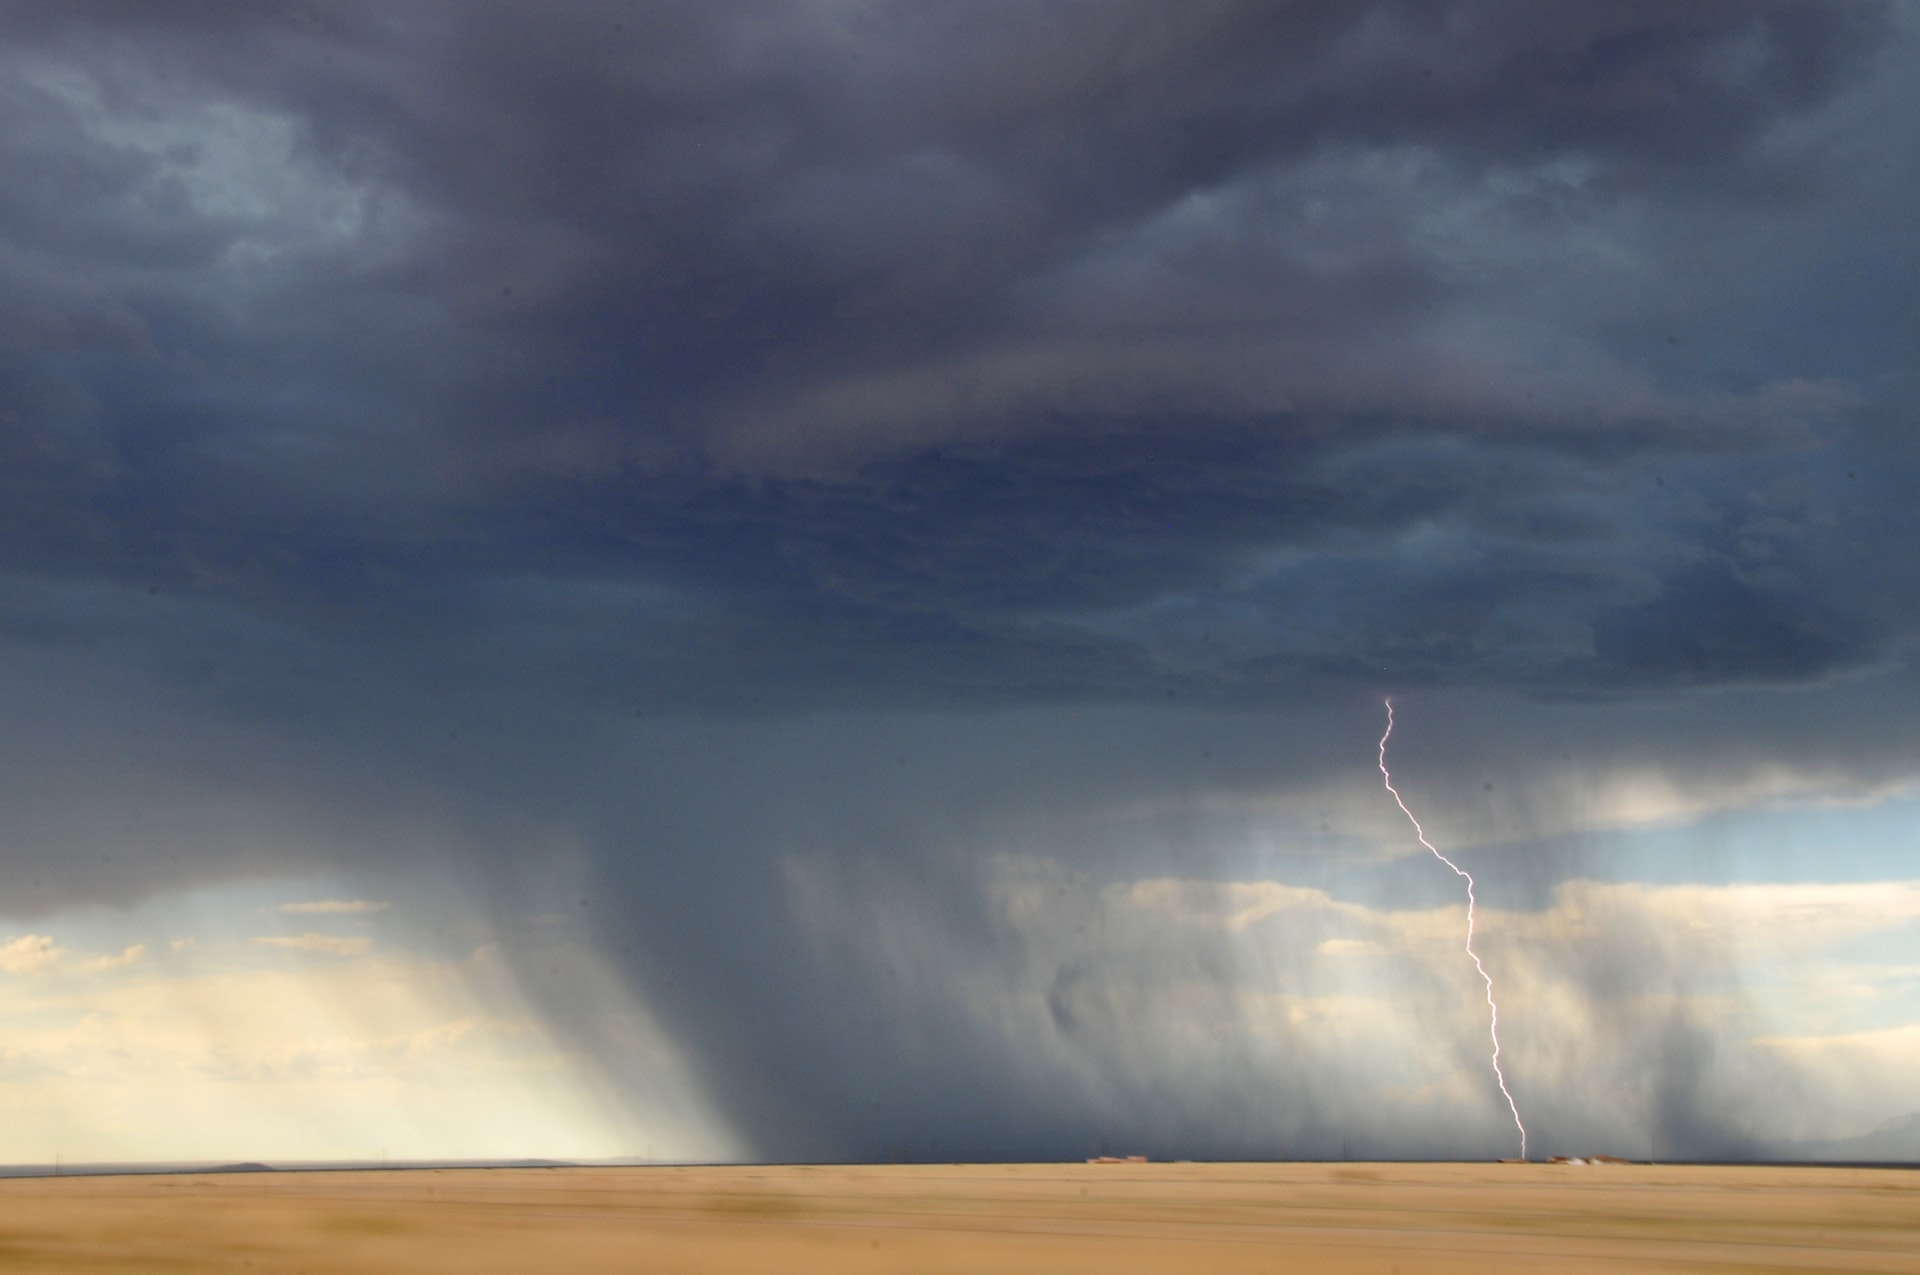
{"points": [[293, 1020], [1842, 840]]}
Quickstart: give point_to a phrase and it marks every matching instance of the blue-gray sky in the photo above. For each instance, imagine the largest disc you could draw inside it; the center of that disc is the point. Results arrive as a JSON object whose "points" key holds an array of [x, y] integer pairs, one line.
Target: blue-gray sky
{"points": [[896, 519]]}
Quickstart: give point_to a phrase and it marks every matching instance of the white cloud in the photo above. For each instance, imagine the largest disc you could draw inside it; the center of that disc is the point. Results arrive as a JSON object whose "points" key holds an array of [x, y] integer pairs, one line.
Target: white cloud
{"points": [[332, 906], [1228, 905], [1898, 1046], [30, 954], [131, 956], [1798, 915], [180, 947], [332, 944]]}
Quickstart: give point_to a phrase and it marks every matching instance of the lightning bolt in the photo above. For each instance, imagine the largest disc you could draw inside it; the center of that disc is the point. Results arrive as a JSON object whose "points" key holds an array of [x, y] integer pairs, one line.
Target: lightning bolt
{"points": [[1493, 1008]]}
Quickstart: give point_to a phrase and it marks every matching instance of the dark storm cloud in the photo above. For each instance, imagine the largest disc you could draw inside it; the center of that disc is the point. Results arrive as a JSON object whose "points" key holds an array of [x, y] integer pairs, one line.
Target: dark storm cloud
{"points": [[403, 409], [953, 340], [1707, 626]]}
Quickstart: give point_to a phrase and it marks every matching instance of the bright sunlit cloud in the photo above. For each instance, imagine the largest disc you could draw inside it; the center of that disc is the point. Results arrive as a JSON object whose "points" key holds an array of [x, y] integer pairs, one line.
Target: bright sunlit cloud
{"points": [[29, 954], [131, 955], [313, 1046], [331, 944]]}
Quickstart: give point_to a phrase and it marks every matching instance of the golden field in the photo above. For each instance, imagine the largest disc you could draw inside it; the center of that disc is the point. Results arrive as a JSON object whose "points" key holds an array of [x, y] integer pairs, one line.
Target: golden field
{"points": [[932, 1219]]}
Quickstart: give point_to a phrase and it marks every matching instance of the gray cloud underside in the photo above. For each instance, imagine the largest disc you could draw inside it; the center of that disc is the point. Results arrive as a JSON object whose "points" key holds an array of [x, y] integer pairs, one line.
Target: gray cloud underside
{"points": [[929, 422]]}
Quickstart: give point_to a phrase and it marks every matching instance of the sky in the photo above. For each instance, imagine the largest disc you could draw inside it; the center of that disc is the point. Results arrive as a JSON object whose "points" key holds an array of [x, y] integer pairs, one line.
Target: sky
{"points": [[818, 580]]}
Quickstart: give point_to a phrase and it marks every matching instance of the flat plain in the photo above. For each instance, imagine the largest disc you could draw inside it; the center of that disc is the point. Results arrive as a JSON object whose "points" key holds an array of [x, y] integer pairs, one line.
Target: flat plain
{"points": [[933, 1219]]}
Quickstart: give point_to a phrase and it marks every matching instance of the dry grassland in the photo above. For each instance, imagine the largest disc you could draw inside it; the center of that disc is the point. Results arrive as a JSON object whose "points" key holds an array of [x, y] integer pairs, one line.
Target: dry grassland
{"points": [[1000, 1218]]}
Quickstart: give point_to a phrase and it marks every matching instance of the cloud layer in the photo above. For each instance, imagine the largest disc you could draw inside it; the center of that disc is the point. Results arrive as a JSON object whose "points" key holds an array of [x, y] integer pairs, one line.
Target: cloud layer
{"points": [[1062, 352]]}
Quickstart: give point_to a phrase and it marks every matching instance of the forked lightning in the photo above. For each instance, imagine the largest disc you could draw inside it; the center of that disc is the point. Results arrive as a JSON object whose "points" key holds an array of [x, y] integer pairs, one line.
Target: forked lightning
{"points": [[1492, 1007]]}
